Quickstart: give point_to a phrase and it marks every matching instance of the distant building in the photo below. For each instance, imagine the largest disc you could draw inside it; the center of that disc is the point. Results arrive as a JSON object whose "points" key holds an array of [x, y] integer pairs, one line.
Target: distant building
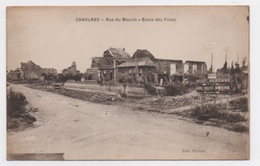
{"points": [[71, 71], [195, 68], [15, 75], [31, 70], [49, 71]]}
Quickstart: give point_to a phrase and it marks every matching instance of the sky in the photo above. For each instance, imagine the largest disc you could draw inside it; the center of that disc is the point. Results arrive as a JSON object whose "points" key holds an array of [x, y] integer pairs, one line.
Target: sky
{"points": [[53, 38]]}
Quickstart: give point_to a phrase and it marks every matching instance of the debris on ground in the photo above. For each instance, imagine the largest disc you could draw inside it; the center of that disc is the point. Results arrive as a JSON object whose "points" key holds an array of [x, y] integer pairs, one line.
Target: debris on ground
{"points": [[186, 106]]}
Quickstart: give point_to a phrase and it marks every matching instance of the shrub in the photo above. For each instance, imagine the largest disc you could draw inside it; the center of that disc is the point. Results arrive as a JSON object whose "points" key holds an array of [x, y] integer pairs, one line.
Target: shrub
{"points": [[17, 115], [172, 90], [212, 111], [150, 89], [241, 104], [16, 102]]}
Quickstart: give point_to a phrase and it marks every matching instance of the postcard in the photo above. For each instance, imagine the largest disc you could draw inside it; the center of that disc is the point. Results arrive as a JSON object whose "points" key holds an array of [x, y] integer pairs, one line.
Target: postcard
{"points": [[128, 83]]}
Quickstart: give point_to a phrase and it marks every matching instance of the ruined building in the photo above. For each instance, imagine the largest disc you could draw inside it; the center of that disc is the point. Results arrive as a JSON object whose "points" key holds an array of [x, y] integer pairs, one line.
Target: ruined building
{"points": [[30, 71], [15, 75], [117, 65], [105, 68], [196, 68], [71, 71]]}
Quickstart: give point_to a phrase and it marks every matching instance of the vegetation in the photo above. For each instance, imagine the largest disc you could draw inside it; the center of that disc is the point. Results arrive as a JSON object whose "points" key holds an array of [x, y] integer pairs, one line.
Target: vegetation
{"points": [[64, 78], [218, 115], [17, 113], [172, 90], [241, 104], [150, 89], [213, 111]]}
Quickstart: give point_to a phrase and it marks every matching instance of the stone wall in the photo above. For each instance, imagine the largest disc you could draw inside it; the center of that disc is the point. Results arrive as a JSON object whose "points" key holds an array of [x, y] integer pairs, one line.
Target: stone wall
{"points": [[108, 89]]}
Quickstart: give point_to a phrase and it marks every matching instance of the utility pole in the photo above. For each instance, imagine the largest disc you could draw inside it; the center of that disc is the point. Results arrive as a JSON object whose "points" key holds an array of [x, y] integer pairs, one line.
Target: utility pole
{"points": [[136, 70]]}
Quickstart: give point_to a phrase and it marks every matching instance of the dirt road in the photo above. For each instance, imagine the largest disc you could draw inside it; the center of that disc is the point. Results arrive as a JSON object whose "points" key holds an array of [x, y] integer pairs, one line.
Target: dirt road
{"points": [[83, 130]]}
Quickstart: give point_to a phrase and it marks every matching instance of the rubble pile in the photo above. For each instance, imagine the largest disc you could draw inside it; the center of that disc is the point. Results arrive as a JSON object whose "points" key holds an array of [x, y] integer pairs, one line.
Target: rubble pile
{"points": [[166, 102], [40, 86], [96, 97], [88, 96]]}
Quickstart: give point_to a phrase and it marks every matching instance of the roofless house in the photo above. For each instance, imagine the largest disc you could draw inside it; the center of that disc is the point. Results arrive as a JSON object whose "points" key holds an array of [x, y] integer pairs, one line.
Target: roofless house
{"points": [[105, 68]]}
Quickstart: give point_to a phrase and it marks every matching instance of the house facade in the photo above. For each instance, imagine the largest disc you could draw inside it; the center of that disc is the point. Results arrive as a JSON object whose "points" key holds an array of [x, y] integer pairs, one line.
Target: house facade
{"points": [[195, 68], [136, 70]]}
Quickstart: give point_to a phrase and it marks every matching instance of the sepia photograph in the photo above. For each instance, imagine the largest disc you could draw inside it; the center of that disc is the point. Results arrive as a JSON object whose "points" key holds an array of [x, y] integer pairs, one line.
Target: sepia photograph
{"points": [[128, 82]]}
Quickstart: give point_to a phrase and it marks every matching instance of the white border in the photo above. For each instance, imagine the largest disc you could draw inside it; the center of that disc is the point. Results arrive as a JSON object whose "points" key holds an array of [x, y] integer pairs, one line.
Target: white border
{"points": [[254, 67]]}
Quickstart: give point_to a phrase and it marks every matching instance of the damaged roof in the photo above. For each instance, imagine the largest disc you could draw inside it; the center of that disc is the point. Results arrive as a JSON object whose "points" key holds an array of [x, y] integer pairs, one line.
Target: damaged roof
{"points": [[117, 53], [194, 62], [143, 53], [138, 61], [101, 63]]}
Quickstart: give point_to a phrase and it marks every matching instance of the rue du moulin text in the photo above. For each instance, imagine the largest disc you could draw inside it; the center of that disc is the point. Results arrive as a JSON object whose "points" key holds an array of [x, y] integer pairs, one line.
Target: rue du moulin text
{"points": [[97, 19]]}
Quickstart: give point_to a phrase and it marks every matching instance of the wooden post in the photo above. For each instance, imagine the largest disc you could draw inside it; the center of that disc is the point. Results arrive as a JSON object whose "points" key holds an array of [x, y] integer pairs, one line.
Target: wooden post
{"points": [[136, 71], [114, 70], [201, 101], [227, 102]]}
